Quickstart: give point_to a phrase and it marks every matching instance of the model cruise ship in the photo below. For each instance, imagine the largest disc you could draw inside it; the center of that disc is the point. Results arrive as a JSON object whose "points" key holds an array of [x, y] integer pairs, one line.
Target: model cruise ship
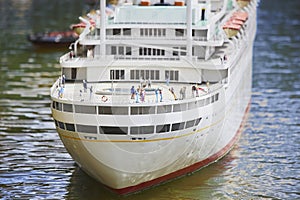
{"points": [[154, 90]]}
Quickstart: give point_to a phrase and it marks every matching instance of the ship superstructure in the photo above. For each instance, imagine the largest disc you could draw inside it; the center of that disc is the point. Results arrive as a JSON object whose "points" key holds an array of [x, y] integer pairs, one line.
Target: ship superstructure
{"points": [[153, 90]]}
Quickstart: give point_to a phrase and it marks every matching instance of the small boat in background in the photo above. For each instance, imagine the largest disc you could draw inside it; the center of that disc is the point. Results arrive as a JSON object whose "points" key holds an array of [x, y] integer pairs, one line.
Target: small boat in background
{"points": [[53, 38]]}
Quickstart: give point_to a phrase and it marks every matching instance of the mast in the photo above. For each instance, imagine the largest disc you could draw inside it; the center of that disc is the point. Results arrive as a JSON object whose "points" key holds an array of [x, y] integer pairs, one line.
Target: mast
{"points": [[189, 36], [102, 27]]}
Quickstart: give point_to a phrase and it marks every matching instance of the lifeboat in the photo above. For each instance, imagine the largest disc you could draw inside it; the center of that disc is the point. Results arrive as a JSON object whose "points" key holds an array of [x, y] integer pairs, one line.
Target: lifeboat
{"points": [[231, 29], [235, 23], [78, 28], [240, 15], [53, 38], [145, 3], [243, 3], [179, 3]]}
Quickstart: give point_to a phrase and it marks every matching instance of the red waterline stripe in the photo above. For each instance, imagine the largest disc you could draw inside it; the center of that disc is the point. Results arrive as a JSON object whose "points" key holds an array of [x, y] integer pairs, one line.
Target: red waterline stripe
{"points": [[189, 169]]}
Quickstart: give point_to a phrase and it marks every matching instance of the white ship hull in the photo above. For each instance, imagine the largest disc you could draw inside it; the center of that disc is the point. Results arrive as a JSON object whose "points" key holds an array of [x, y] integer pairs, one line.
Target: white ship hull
{"points": [[129, 163]]}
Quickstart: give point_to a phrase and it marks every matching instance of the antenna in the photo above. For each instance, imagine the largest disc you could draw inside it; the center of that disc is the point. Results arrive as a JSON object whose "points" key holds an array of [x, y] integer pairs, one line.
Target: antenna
{"points": [[102, 27], [189, 36]]}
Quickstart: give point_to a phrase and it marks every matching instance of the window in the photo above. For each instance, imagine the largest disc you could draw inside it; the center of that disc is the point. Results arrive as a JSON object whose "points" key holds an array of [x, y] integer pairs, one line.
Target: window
{"points": [[151, 52], [142, 110], [156, 74], [68, 107], [128, 51], [212, 99], [163, 128], [113, 130], [172, 75], [164, 109], [104, 110], [120, 50], [141, 130], [61, 125], [192, 105], [198, 121], [86, 128], [181, 51], [70, 127], [132, 74], [85, 109], [57, 106], [113, 50], [190, 124], [117, 74], [146, 74], [217, 97], [201, 102], [179, 32], [153, 32], [178, 126], [127, 31], [73, 73], [117, 31], [161, 32], [207, 101], [119, 110], [53, 104], [179, 107]]}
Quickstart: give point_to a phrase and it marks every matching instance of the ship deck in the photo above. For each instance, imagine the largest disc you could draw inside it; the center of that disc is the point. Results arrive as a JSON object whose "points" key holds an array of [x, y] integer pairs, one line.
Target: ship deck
{"points": [[119, 93]]}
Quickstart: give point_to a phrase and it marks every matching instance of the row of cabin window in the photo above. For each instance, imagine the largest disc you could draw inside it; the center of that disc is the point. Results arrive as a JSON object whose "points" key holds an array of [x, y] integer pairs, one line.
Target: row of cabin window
{"points": [[143, 110], [150, 32], [119, 74], [147, 74], [127, 51], [138, 130]]}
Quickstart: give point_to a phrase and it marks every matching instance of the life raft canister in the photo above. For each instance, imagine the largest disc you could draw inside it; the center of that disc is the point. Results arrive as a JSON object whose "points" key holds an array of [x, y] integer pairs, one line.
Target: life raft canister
{"points": [[104, 98]]}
